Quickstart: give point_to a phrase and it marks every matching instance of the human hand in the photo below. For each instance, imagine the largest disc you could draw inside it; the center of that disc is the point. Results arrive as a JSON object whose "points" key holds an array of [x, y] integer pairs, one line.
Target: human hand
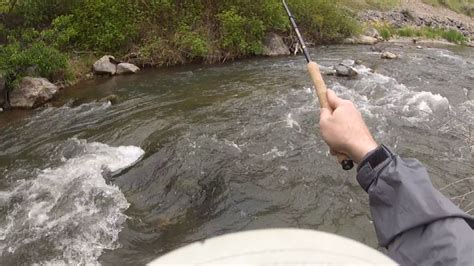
{"points": [[344, 130]]}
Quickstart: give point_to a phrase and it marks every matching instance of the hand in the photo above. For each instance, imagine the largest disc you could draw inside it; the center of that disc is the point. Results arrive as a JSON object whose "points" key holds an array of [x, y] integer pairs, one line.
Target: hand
{"points": [[344, 130]]}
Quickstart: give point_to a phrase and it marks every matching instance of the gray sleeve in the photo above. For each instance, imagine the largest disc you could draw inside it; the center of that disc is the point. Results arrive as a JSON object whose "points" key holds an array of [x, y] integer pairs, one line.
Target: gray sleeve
{"points": [[414, 221]]}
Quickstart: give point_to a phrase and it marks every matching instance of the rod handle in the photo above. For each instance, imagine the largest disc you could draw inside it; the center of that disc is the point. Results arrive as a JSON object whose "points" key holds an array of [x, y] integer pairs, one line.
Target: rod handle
{"points": [[321, 94]]}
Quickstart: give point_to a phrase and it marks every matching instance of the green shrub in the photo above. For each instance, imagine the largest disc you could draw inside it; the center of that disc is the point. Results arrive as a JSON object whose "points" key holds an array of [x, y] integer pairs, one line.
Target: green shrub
{"points": [[38, 59], [240, 35], [324, 21]]}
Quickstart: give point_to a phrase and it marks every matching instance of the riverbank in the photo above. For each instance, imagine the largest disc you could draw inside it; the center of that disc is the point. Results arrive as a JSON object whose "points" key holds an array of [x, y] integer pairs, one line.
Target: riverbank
{"points": [[236, 33]]}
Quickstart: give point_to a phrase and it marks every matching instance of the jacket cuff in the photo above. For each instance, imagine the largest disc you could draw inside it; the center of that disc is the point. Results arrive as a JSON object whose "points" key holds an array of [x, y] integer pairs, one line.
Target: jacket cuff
{"points": [[372, 164]]}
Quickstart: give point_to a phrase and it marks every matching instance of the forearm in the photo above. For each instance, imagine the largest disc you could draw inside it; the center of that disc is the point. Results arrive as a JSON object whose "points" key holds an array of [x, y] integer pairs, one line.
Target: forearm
{"points": [[409, 213]]}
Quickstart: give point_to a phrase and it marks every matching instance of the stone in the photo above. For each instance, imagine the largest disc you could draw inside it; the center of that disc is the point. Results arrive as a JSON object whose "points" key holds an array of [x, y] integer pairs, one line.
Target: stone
{"points": [[358, 62], [105, 66], [32, 92], [346, 71], [112, 98], [327, 70], [372, 32], [274, 45], [348, 62], [366, 40], [419, 47], [1, 110], [127, 68], [389, 55]]}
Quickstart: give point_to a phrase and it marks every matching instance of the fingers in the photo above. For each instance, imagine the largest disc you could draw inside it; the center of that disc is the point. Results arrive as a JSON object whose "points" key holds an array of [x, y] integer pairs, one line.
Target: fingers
{"points": [[325, 114], [333, 100]]}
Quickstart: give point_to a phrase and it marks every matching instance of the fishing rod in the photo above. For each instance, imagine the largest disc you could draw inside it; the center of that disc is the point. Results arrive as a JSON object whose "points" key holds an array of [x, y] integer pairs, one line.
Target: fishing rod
{"points": [[320, 86]]}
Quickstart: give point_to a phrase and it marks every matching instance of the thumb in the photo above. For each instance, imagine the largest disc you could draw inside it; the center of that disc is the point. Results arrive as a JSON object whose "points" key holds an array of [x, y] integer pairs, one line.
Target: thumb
{"points": [[333, 100]]}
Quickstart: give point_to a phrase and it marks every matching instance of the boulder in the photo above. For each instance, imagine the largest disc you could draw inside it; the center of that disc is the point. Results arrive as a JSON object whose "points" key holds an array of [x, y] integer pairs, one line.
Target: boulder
{"points": [[348, 62], [364, 40], [346, 71], [389, 55], [327, 70], [274, 45], [105, 65], [372, 32], [127, 68], [367, 40], [32, 92]]}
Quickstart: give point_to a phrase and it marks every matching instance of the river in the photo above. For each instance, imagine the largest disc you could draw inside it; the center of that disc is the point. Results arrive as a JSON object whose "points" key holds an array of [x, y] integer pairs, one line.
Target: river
{"points": [[198, 151]]}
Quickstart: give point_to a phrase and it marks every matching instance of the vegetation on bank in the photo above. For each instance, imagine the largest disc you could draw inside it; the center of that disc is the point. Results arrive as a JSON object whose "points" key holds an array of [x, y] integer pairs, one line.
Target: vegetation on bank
{"points": [[388, 31], [43, 37], [60, 39], [461, 6]]}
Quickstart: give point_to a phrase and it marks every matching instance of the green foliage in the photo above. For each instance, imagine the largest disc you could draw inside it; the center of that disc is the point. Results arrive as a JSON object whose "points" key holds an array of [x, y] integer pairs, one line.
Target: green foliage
{"points": [[388, 31], [461, 6], [38, 59], [241, 35], [324, 20]]}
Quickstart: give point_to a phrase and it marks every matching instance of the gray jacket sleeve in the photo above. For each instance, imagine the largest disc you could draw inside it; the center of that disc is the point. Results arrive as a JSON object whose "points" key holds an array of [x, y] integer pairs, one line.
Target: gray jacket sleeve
{"points": [[414, 221]]}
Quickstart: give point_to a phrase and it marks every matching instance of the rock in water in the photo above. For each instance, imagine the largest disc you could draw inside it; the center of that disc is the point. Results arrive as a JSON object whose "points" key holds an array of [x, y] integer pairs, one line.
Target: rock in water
{"points": [[348, 62], [389, 55], [327, 70], [274, 45], [105, 66], [346, 71], [127, 68], [32, 92]]}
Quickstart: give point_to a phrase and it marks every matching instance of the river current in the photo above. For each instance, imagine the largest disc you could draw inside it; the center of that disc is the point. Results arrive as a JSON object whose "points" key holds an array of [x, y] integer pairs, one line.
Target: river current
{"points": [[193, 152]]}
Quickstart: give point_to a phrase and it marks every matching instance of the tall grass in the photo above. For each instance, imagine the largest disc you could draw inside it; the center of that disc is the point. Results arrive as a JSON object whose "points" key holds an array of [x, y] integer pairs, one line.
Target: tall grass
{"points": [[461, 6], [388, 31]]}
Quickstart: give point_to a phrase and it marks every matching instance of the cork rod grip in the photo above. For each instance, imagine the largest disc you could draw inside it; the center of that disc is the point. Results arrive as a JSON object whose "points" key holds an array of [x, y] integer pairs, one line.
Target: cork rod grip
{"points": [[321, 94]]}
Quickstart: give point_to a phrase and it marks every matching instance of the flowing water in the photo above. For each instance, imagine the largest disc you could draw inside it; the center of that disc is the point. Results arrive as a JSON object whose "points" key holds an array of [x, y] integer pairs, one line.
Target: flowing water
{"points": [[198, 151]]}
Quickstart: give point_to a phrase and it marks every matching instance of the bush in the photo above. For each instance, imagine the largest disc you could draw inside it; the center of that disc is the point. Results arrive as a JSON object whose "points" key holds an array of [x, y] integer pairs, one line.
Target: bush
{"points": [[324, 21], [240, 35], [37, 59]]}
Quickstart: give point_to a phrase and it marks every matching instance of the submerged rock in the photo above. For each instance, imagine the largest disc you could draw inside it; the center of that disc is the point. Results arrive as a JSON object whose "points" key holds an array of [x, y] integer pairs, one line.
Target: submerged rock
{"points": [[32, 92], [389, 55], [112, 98], [274, 45], [105, 65], [348, 62], [327, 70], [127, 68], [346, 71]]}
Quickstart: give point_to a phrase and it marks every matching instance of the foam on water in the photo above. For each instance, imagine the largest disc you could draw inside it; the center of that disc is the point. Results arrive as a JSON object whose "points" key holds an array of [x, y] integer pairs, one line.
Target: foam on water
{"points": [[68, 212]]}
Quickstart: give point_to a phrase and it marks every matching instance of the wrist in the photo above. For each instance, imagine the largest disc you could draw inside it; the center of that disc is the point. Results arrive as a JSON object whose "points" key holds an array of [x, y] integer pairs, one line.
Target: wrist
{"points": [[362, 149]]}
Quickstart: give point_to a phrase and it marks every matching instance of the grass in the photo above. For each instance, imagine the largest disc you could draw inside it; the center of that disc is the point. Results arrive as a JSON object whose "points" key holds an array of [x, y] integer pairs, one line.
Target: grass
{"points": [[387, 31], [461, 6]]}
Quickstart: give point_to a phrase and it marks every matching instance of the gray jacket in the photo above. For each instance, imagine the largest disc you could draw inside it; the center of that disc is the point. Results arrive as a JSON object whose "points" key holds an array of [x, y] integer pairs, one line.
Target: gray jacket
{"points": [[414, 221]]}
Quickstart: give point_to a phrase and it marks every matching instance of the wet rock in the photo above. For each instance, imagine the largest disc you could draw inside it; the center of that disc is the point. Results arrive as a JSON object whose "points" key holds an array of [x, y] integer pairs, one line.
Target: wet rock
{"points": [[346, 71], [112, 98], [358, 62], [89, 75], [274, 45], [105, 66], [389, 55], [32, 92], [327, 70], [348, 62], [419, 47], [127, 68], [1, 110], [470, 44]]}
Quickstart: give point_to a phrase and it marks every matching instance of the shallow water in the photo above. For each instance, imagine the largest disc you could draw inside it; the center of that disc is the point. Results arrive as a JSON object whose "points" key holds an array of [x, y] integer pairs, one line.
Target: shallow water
{"points": [[198, 151]]}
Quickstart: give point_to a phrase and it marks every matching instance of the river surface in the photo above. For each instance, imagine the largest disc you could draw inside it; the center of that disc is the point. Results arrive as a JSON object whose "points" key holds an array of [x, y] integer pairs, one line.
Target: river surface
{"points": [[193, 152]]}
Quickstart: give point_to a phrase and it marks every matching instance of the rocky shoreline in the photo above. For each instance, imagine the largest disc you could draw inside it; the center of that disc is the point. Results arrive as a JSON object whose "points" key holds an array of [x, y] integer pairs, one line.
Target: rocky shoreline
{"points": [[35, 91]]}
